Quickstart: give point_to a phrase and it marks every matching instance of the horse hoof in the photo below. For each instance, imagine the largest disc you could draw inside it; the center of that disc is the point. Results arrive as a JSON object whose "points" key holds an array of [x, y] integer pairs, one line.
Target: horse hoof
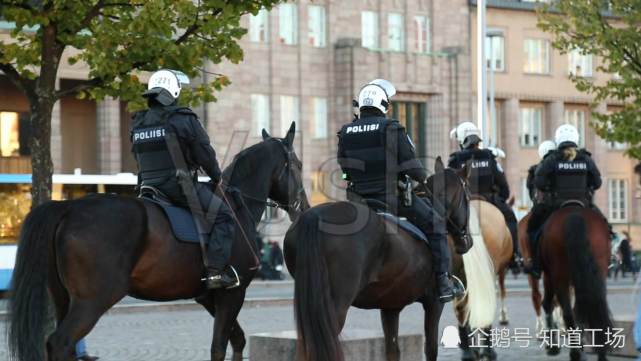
{"points": [[577, 355], [489, 355], [553, 351], [468, 355]]}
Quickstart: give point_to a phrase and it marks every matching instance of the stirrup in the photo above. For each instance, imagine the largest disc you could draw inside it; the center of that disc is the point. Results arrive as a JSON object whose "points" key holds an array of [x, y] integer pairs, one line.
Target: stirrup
{"points": [[223, 274]]}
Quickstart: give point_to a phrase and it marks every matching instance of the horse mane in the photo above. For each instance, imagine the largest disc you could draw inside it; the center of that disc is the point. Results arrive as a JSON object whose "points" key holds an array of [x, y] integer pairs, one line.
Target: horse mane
{"points": [[244, 163]]}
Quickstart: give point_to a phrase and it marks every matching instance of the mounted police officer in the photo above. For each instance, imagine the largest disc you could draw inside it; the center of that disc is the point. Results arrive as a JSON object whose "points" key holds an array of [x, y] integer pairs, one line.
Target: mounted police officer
{"points": [[545, 148], [566, 174], [159, 166], [486, 179], [375, 153]]}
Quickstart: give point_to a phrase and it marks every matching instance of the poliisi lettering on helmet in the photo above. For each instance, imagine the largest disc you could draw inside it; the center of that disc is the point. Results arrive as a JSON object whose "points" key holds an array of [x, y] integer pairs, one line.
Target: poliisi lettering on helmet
{"points": [[545, 147], [566, 133]]}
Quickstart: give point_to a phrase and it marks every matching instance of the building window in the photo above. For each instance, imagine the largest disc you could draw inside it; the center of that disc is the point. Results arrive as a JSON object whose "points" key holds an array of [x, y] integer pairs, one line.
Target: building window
{"points": [[369, 30], [259, 27], [289, 112], [14, 134], [413, 116], [616, 146], [530, 126], [537, 56], [260, 113], [288, 24], [319, 118], [579, 64], [618, 200], [317, 33], [395, 32], [576, 117], [495, 48], [422, 35]]}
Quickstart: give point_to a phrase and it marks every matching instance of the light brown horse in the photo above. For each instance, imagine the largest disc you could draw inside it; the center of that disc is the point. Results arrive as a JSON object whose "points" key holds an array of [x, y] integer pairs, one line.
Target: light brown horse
{"points": [[492, 230]]}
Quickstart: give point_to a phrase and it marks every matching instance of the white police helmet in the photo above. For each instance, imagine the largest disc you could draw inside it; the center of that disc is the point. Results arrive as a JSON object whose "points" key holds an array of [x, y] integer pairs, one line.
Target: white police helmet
{"points": [[467, 134], [376, 94], [165, 85], [545, 147], [566, 133]]}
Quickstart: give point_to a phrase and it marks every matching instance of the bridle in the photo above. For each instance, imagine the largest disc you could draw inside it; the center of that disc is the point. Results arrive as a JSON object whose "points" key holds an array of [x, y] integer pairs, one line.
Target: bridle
{"points": [[465, 196], [297, 203]]}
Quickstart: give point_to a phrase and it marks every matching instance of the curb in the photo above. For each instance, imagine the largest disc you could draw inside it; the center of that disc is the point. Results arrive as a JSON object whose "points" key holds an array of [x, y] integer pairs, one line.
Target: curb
{"points": [[189, 305]]}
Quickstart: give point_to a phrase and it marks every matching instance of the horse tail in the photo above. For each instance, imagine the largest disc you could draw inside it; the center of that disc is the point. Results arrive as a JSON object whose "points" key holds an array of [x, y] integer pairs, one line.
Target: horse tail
{"points": [[479, 273], [591, 306], [316, 319], [28, 305]]}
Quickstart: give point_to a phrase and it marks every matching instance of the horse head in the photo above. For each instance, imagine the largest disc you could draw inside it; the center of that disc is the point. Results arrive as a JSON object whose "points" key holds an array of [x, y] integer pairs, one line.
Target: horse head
{"points": [[448, 190], [287, 189]]}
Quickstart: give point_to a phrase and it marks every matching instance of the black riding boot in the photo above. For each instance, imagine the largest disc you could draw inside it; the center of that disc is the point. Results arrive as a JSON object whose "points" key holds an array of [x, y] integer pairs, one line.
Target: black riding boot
{"points": [[219, 273]]}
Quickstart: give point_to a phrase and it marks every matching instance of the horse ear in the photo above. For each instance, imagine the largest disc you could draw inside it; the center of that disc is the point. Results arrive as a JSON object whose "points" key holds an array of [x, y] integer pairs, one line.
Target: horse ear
{"points": [[289, 138], [266, 135], [439, 167]]}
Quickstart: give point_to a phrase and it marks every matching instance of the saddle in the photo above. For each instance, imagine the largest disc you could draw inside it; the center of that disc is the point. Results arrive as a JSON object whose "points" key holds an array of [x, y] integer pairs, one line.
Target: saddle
{"points": [[183, 224], [382, 209]]}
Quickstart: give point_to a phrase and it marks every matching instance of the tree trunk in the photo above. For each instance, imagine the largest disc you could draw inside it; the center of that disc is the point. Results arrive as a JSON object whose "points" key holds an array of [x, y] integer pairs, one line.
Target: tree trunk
{"points": [[40, 144]]}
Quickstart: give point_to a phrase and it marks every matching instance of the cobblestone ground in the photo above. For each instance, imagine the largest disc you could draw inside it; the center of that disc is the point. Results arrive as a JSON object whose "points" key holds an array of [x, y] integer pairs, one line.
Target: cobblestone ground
{"points": [[186, 335]]}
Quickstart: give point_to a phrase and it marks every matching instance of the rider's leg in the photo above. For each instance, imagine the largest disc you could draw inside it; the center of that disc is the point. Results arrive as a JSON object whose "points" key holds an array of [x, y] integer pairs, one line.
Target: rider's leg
{"points": [[540, 213], [512, 225], [433, 225], [220, 226]]}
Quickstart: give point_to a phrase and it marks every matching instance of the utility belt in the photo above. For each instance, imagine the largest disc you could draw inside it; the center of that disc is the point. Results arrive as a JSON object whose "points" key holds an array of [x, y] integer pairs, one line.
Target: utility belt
{"points": [[404, 189], [154, 178]]}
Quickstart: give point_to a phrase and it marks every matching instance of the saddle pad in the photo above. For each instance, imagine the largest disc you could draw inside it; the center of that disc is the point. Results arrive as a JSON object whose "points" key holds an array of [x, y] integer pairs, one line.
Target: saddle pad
{"points": [[182, 222], [406, 225]]}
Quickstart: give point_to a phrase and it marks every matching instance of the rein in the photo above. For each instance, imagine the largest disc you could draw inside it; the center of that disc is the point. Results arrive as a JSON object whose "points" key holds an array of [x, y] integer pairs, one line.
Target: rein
{"points": [[465, 196], [295, 205]]}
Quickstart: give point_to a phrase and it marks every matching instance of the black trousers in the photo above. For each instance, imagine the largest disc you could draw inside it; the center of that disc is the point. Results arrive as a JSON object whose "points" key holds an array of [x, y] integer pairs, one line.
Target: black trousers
{"points": [[510, 220], [215, 217], [423, 215]]}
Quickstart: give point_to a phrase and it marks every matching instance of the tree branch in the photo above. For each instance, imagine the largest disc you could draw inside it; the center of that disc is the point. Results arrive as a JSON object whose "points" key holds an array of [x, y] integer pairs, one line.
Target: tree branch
{"points": [[27, 86], [193, 28], [92, 83]]}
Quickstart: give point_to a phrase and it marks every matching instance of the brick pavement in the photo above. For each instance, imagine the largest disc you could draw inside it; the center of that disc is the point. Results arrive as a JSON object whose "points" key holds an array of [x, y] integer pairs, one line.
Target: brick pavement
{"points": [[186, 335]]}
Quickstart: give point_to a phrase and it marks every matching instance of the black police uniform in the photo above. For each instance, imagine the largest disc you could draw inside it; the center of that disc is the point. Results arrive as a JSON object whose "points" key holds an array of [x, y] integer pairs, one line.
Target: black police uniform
{"points": [[157, 169], [529, 183], [488, 181], [375, 152], [561, 180]]}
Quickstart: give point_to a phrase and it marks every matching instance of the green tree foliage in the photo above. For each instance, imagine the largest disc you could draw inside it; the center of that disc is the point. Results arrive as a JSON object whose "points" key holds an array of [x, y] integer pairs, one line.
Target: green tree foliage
{"points": [[117, 40], [608, 30]]}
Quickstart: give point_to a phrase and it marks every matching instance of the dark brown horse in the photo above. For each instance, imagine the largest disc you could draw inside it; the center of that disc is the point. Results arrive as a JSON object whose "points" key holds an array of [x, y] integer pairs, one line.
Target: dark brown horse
{"points": [[90, 253], [343, 254], [575, 250]]}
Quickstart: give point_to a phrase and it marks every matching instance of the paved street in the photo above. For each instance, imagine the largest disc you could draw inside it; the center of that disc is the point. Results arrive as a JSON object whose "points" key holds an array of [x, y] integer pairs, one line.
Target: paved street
{"points": [[186, 335]]}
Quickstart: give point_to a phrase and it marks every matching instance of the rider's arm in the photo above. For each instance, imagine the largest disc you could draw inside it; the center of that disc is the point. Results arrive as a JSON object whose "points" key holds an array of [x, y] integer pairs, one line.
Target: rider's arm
{"points": [[407, 160], [453, 161], [501, 182], [203, 152], [594, 176], [543, 172], [530, 182]]}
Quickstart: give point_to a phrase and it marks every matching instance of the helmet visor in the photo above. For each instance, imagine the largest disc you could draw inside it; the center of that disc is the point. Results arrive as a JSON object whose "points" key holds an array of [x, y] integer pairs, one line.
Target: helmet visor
{"points": [[390, 90]]}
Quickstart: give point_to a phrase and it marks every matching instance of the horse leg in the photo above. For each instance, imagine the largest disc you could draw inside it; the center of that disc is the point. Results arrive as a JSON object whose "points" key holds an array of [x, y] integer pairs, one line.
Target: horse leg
{"points": [[433, 309], [466, 352], [536, 302], [390, 329], [227, 305], [237, 336], [79, 320], [488, 353], [503, 318], [576, 354], [548, 307]]}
